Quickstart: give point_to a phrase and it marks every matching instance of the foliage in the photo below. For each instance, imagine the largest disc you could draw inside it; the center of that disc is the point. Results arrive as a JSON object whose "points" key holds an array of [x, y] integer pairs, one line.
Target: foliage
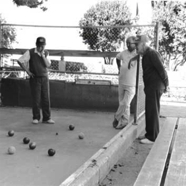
{"points": [[75, 67], [70, 66], [99, 25], [31, 3], [172, 16], [8, 34]]}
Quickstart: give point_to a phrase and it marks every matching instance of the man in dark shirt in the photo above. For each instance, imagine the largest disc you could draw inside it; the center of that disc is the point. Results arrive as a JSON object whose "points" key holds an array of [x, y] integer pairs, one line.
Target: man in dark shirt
{"points": [[35, 62], [155, 84]]}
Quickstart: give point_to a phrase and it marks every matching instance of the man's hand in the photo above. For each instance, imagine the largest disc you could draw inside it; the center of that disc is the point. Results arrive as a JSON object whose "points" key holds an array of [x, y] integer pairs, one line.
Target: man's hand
{"points": [[46, 53], [132, 61], [167, 89], [130, 64], [30, 74]]}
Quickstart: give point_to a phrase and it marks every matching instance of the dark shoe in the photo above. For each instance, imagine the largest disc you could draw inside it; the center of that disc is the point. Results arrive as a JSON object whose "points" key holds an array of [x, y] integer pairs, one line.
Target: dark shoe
{"points": [[115, 123], [161, 116], [50, 121], [121, 125]]}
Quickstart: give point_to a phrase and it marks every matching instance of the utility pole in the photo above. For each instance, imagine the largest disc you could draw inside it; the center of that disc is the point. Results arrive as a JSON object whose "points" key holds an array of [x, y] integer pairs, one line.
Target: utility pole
{"points": [[156, 33]]}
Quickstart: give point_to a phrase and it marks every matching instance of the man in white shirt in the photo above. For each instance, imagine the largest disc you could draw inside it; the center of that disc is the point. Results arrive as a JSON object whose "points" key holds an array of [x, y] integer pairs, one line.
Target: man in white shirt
{"points": [[127, 82]]}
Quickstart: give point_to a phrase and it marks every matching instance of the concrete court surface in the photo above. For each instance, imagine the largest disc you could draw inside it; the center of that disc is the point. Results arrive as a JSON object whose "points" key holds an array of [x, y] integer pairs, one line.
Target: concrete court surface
{"points": [[35, 167]]}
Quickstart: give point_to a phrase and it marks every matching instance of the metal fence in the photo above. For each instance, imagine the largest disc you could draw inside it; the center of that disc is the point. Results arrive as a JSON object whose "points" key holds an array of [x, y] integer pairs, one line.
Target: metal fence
{"points": [[81, 52], [100, 38]]}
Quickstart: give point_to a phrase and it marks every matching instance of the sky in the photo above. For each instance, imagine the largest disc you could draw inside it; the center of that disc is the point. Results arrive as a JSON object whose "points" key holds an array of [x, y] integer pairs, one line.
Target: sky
{"points": [[59, 13]]}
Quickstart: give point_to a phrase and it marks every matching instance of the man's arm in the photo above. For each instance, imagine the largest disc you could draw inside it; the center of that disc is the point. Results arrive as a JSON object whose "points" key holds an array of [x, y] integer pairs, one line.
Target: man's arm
{"points": [[118, 64], [25, 69], [158, 64], [24, 59], [46, 60], [132, 60]]}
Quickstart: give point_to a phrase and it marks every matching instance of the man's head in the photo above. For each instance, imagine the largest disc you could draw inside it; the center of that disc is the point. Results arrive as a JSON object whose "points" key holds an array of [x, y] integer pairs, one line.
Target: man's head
{"points": [[131, 43], [141, 43], [40, 43]]}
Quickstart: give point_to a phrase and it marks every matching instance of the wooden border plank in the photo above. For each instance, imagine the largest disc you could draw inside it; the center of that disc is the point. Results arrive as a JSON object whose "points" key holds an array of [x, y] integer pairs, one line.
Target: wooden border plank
{"points": [[152, 170], [176, 174]]}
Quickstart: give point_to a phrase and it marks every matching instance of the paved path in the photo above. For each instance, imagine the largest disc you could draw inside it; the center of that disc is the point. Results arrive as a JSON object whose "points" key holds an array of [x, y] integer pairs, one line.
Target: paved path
{"points": [[173, 109]]}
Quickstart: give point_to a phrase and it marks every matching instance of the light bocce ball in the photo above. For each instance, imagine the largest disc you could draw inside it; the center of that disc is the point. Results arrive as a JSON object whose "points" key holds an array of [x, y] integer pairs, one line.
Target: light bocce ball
{"points": [[10, 133], [71, 127], [81, 135], [32, 145], [11, 150]]}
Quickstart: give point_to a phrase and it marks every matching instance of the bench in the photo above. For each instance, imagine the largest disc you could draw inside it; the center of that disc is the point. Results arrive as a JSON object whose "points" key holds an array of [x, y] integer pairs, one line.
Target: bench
{"points": [[166, 163]]}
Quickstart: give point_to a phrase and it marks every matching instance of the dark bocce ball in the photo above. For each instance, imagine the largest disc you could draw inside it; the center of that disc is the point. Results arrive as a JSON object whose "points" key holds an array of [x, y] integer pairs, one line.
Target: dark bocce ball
{"points": [[71, 127], [32, 145], [10, 133], [51, 152], [26, 140]]}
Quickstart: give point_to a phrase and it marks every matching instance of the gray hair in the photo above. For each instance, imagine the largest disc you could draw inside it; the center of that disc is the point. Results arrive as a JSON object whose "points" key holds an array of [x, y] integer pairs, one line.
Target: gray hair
{"points": [[133, 38]]}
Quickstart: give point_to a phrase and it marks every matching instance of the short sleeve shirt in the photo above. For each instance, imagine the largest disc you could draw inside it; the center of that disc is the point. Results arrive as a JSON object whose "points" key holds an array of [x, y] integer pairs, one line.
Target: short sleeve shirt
{"points": [[24, 59], [127, 76]]}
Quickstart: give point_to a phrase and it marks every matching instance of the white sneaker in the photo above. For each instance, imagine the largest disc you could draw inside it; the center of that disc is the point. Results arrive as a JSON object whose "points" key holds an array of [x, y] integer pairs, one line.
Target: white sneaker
{"points": [[35, 121], [146, 141], [50, 121]]}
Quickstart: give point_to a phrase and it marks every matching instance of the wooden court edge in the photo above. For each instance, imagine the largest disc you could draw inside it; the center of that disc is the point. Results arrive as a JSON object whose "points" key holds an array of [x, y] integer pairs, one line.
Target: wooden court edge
{"points": [[95, 169]]}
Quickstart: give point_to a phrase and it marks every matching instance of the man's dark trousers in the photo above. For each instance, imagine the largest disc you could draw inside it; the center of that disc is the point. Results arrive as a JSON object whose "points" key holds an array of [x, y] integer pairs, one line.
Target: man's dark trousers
{"points": [[40, 97], [152, 109]]}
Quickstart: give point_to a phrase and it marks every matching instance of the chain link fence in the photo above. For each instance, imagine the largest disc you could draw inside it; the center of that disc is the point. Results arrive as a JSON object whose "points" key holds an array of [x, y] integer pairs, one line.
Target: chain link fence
{"points": [[103, 39], [71, 66]]}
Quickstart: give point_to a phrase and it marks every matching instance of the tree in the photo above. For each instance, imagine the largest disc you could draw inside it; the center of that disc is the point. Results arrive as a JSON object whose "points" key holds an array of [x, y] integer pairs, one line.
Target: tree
{"points": [[7, 37], [8, 34], [31, 3], [99, 26], [172, 16]]}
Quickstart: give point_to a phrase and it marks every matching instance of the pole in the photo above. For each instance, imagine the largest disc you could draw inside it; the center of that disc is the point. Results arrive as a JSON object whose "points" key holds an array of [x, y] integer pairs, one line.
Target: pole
{"points": [[137, 92], [156, 33], [1, 39]]}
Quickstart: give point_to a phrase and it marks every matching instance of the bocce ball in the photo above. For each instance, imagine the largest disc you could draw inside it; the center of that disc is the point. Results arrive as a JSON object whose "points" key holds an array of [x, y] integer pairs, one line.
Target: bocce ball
{"points": [[11, 150], [26, 140], [32, 145], [71, 127], [51, 152], [11, 133], [81, 135]]}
